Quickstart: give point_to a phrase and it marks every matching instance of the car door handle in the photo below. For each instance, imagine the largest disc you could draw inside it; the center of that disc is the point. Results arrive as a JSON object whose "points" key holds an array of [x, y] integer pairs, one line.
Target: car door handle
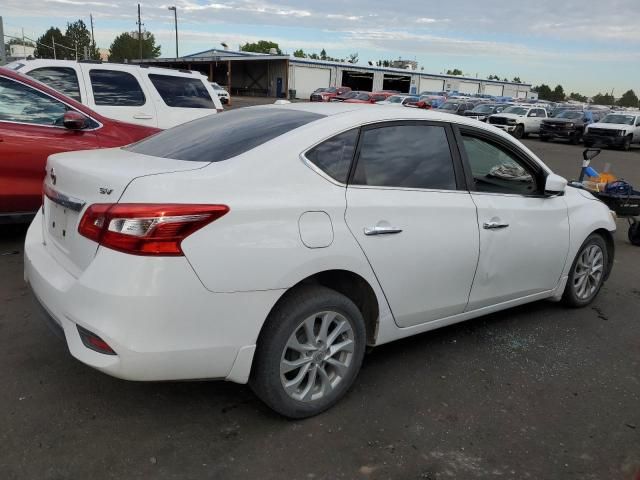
{"points": [[143, 116], [494, 225], [379, 230]]}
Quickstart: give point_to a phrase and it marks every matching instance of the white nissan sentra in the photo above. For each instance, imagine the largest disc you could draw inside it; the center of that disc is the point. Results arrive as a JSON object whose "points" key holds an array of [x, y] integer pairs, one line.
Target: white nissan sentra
{"points": [[273, 244]]}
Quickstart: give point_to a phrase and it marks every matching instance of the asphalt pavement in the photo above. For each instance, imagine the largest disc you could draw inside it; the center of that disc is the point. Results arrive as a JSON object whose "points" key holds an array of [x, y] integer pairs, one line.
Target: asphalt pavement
{"points": [[535, 392]]}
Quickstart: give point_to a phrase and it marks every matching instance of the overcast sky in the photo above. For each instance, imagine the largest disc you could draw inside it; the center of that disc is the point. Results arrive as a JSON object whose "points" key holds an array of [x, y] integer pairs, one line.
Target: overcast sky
{"points": [[586, 45]]}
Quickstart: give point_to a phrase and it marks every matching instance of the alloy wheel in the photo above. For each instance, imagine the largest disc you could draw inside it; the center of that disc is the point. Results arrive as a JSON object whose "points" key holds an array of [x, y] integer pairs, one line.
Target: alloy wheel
{"points": [[588, 272], [317, 356]]}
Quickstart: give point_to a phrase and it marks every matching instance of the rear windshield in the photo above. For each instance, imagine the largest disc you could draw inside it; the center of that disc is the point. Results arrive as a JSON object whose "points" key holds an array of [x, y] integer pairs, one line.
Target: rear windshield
{"points": [[219, 137]]}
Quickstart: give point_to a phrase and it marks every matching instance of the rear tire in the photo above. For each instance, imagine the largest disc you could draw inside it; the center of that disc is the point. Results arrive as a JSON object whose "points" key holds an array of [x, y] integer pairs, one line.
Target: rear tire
{"points": [[634, 234], [588, 272], [309, 352]]}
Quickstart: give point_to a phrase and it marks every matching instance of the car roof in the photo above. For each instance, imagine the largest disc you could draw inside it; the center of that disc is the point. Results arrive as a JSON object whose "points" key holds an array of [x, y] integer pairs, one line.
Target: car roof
{"points": [[47, 62]]}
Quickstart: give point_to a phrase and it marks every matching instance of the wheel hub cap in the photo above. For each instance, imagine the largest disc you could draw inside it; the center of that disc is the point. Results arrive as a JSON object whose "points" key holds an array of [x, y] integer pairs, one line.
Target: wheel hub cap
{"points": [[317, 356], [588, 272]]}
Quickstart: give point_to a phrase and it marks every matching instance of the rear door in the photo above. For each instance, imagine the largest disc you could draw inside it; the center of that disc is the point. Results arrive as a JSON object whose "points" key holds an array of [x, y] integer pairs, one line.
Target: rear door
{"points": [[120, 94], [413, 221], [524, 235], [30, 130]]}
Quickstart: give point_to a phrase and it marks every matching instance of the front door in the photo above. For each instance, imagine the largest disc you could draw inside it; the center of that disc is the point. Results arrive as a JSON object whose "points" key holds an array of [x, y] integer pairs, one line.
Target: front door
{"points": [[416, 228], [524, 236]]}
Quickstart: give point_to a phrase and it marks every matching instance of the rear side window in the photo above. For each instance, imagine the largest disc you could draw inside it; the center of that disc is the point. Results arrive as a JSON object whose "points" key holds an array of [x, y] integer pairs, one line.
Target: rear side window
{"points": [[215, 138], [181, 91], [334, 156], [116, 89], [406, 156], [63, 79]]}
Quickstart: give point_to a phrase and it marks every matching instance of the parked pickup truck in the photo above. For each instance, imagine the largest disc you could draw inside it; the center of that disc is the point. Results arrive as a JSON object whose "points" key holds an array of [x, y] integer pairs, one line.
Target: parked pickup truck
{"points": [[518, 120], [567, 125], [614, 130], [326, 94]]}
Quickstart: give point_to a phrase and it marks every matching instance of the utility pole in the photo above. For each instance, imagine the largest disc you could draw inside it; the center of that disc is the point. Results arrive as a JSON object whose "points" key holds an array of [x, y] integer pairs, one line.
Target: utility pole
{"points": [[139, 32], [175, 18], [53, 40], [24, 48], [93, 42], [3, 53]]}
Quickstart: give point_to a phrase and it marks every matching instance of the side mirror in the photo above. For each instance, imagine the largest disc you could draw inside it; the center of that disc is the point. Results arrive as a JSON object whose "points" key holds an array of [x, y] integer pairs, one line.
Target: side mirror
{"points": [[590, 153], [74, 120], [555, 184]]}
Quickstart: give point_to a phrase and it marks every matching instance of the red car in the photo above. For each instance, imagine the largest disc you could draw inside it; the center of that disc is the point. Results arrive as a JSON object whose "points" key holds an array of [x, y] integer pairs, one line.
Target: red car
{"points": [[326, 94], [366, 97], [37, 121]]}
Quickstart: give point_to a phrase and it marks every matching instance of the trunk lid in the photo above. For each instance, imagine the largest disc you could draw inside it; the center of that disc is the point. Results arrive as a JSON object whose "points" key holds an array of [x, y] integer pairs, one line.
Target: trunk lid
{"points": [[75, 180]]}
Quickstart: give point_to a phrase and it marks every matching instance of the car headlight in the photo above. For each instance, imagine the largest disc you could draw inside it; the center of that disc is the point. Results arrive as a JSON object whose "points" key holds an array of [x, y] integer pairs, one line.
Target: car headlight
{"points": [[621, 133], [511, 121], [570, 125]]}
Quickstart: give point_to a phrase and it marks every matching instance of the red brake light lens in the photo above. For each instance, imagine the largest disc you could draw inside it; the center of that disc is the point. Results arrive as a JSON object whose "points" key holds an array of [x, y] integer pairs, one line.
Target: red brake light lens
{"points": [[146, 228]]}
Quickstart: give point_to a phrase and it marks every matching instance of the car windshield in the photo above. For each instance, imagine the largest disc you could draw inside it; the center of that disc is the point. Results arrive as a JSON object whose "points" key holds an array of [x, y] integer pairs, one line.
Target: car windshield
{"points": [[395, 99], [318, 90], [449, 106], [216, 86], [330, 90], [483, 109], [516, 110], [619, 119], [350, 95], [573, 114], [363, 96], [219, 137]]}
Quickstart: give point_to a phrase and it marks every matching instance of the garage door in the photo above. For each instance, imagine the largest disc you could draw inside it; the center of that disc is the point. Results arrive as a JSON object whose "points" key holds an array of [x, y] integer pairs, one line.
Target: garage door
{"points": [[521, 94], [468, 87], [495, 90], [431, 85], [306, 80]]}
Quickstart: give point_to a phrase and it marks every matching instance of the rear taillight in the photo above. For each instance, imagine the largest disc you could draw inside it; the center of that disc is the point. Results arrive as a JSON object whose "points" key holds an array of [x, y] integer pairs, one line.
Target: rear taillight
{"points": [[146, 228]]}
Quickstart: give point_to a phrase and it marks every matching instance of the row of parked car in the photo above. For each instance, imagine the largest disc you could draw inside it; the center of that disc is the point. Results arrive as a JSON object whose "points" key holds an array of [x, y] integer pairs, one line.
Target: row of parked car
{"points": [[572, 122]]}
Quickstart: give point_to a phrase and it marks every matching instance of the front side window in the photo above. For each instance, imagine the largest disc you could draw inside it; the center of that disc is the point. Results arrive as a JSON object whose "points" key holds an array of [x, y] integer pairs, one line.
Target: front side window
{"points": [[334, 156], [405, 156], [114, 88], [23, 104], [63, 79], [181, 91], [496, 170], [215, 138]]}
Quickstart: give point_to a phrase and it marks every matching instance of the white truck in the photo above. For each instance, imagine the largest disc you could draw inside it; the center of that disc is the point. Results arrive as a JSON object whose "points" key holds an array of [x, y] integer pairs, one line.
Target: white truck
{"points": [[150, 96], [519, 120], [619, 129]]}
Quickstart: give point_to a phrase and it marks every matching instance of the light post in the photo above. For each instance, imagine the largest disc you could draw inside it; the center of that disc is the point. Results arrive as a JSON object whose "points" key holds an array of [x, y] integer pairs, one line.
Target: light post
{"points": [[175, 18]]}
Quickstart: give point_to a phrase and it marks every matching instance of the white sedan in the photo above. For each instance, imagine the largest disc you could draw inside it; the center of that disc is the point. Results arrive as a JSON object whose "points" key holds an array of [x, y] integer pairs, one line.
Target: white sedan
{"points": [[399, 100], [273, 244]]}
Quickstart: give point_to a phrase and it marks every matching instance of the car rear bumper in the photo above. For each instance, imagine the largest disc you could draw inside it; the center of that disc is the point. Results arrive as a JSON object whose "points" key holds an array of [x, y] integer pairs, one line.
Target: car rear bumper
{"points": [[153, 312]]}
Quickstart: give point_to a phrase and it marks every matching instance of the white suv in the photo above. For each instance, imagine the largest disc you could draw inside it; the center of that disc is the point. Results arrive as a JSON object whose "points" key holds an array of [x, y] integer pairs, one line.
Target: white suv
{"points": [[150, 96], [519, 120]]}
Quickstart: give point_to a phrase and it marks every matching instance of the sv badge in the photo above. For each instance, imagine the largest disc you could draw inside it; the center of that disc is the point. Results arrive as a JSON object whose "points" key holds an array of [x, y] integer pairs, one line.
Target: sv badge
{"points": [[105, 191]]}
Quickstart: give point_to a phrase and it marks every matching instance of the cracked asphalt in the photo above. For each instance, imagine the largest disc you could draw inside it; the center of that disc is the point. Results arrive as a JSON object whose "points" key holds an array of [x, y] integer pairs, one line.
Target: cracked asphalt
{"points": [[539, 392]]}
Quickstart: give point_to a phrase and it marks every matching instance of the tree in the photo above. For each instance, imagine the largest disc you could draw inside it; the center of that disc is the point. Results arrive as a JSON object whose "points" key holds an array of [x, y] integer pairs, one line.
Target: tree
{"points": [[517, 80], [577, 97], [353, 58], [455, 71], [299, 53], [78, 34], [628, 99], [558, 94], [263, 46], [126, 47], [44, 45], [323, 54], [493, 77], [605, 99], [544, 92]]}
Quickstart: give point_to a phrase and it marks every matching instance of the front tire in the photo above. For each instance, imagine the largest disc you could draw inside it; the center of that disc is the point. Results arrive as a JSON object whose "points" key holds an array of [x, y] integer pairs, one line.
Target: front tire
{"points": [[634, 234], [309, 352], [588, 272], [519, 132], [626, 146]]}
